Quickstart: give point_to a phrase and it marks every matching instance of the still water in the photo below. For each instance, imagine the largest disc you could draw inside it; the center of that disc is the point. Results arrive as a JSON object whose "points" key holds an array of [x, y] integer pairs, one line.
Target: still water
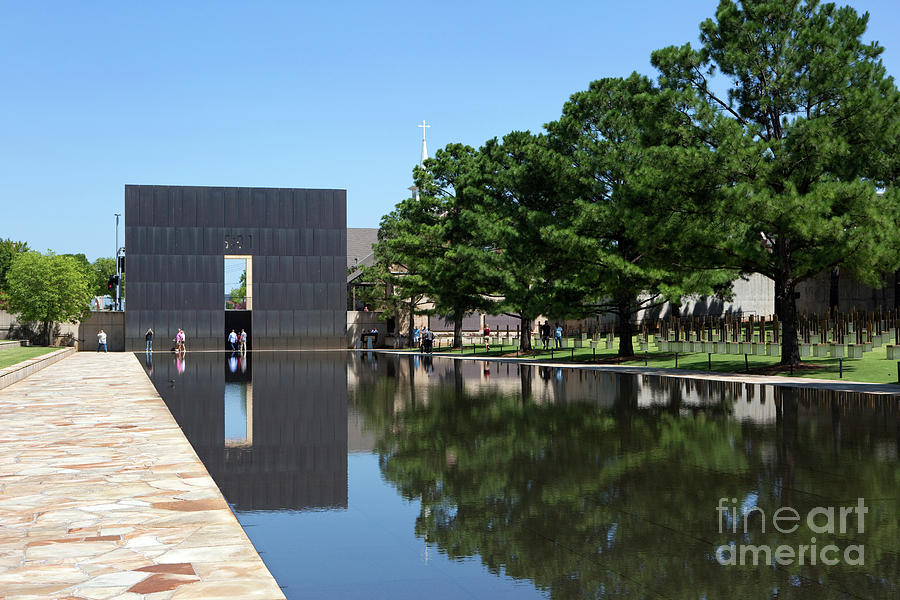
{"points": [[376, 476]]}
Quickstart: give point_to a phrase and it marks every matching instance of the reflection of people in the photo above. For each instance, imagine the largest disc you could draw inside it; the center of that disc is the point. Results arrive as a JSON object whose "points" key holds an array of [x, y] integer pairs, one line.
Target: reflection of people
{"points": [[179, 362], [149, 362], [233, 363], [232, 339], [243, 342], [148, 337], [101, 341]]}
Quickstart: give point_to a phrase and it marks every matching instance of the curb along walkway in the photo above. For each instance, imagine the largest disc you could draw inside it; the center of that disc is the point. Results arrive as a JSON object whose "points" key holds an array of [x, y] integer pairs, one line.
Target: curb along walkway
{"points": [[860, 387], [102, 496]]}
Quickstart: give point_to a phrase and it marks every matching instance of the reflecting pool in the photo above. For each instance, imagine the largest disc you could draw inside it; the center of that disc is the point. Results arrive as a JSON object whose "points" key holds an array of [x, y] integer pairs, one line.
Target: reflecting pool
{"points": [[378, 476]]}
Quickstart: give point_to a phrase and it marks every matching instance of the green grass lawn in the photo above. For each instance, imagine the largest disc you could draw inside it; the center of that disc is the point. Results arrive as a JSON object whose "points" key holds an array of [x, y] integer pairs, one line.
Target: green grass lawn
{"points": [[11, 356], [873, 367]]}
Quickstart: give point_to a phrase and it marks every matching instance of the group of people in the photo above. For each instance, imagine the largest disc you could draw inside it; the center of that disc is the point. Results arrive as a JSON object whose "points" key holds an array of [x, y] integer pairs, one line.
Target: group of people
{"points": [[546, 331], [238, 341], [424, 339]]}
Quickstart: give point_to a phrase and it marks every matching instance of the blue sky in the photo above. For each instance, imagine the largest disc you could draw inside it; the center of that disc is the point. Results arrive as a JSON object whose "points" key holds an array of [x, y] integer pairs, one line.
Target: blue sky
{"points": [[290, 94]]}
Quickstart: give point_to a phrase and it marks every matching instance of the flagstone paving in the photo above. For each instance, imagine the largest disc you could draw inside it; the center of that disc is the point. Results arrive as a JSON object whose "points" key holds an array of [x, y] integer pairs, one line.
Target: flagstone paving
{"points": [[101, 495]]}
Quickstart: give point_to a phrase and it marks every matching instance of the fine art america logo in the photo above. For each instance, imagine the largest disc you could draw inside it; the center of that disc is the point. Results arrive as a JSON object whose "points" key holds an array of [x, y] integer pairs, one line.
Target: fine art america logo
{"points": [[821, 520]]}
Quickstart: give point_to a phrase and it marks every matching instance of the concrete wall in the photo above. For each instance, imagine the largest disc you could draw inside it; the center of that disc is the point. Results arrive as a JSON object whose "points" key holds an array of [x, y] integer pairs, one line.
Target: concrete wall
{"points": [[359, 321], [113, 323], [815, 294], [66, 333]]}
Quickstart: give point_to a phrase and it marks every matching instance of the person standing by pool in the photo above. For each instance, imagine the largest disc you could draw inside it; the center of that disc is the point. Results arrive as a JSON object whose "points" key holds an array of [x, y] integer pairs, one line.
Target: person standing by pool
{"points": [[487, 337], [148, 337], [557, 335], [243, 339], [415, 337], [232, 339], [101, 341]]}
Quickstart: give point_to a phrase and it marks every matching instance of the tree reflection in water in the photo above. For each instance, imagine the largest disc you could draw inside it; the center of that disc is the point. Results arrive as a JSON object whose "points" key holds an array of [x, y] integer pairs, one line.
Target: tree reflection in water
{"points": [[606, 486]]}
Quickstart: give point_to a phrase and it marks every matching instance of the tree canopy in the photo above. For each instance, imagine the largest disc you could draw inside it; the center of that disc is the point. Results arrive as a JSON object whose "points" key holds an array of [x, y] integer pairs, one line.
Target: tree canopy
{"points": [[48, 288], [772, 148], [802, 132], [9, 249], [433, 244]]}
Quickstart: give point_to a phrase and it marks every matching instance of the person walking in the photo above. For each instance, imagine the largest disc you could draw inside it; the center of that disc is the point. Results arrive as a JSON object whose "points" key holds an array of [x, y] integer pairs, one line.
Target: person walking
{"points": [[557, 335], [487, 337], [232, 339], [101, 341], [545, 334], [148, 337], [243, 339]]}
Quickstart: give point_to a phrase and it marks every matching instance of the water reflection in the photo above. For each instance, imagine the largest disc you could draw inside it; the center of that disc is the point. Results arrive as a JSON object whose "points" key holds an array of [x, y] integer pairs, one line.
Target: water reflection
{"points": [[272, 432], [562, 483], [596, 485]]}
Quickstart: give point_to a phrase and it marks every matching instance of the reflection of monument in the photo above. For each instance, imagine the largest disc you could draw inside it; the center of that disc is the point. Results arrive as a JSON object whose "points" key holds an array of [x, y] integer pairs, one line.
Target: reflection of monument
{"points": [[273, 435]]}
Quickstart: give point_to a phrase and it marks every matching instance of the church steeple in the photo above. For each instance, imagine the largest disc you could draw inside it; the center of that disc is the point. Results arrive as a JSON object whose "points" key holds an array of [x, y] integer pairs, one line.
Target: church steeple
{"points": [[413, 188], [424, 145]]}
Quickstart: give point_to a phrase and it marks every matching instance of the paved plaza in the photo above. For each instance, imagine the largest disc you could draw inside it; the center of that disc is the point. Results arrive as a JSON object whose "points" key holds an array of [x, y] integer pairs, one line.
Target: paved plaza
{"points": [[101, 495]]}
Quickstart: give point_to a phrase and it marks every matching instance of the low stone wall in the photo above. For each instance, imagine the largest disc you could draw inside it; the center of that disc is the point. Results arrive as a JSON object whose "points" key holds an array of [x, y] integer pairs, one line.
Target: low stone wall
{"points": [[10, 344], [20, 371]]}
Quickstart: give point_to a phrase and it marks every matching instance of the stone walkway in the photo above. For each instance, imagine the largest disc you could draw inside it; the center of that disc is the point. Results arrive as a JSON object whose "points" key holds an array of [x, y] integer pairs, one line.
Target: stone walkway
{"points": [[101, 495]]}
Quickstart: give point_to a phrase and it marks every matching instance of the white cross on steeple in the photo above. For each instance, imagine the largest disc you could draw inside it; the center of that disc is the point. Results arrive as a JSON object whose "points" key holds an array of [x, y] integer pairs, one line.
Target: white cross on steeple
{"points": [[424, 146]]}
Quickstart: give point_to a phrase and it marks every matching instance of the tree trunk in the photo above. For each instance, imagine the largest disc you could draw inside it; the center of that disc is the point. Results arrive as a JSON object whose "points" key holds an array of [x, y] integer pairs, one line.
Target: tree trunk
{"points": [[412, 324], [48, 327], [525, 380], [457, 329], [786, 302], [525, 334], [897, 288], [779, 294], [834, 290], [790, 350], [626, 347]]}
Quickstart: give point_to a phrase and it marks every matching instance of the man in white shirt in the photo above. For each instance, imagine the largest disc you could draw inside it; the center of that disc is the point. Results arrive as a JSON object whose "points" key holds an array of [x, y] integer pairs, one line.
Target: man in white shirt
{"points": [[232, 339], [101, 341]]}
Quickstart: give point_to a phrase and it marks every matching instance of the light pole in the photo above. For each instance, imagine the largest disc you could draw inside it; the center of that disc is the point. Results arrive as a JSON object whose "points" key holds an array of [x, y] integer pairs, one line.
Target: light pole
{"points": [[116, 258]]}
